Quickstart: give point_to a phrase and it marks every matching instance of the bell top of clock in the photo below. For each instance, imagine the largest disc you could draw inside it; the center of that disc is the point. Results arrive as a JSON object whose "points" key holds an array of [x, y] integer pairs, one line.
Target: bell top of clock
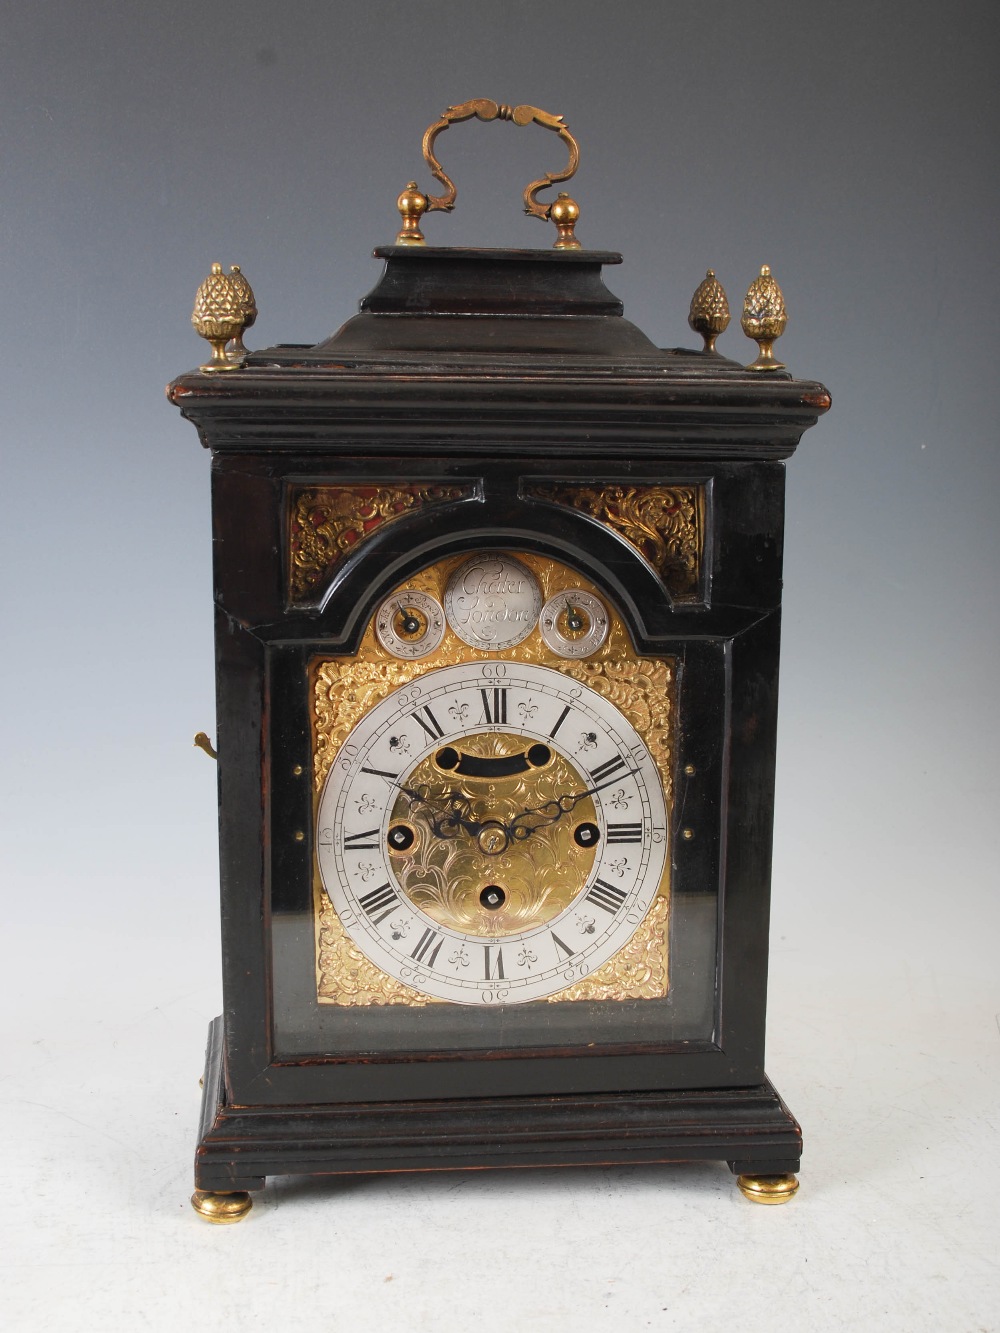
{"points": [[513, 344], [473, 304]]}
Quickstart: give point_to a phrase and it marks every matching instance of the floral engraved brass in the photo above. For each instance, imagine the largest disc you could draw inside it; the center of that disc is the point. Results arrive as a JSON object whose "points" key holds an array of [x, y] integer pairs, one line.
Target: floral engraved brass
{"points": [[665, 524], [326, 522], [344, 690]]}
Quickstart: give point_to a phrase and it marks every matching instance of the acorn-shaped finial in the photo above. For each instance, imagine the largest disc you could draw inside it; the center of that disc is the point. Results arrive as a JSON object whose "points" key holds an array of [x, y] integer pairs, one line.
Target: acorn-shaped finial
{"points": [[709, 313], [764, 319], [220, 314]]}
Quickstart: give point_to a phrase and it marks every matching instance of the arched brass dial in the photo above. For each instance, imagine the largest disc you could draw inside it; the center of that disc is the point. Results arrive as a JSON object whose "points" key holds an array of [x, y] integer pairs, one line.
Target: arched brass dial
{"points": [[492, 832]]}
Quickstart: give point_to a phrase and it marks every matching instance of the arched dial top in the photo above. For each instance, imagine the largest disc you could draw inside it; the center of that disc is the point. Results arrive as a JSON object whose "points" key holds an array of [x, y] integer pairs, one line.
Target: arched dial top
{"points": [[492, 832]]}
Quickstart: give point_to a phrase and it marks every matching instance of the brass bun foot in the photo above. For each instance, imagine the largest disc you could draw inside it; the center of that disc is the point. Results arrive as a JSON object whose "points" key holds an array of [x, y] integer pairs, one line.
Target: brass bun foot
{"points": [[216, 1206], [768, 1189]]}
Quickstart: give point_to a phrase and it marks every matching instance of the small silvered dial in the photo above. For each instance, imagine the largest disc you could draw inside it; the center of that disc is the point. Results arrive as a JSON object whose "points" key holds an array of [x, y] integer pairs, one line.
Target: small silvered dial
{"points": [[492, 601], [574, 623], [410, 624]]}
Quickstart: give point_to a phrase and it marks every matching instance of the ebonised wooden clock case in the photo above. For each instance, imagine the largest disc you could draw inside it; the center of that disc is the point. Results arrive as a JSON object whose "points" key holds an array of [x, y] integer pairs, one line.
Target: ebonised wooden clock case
{"points": [[494, 401]]}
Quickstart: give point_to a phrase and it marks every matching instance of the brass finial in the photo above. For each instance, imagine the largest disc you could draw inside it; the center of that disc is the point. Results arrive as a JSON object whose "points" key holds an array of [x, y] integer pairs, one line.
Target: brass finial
{"points": [[764, 319], [220, 314], [565, 213], [412, 206], [709, 313], [236, 350]]}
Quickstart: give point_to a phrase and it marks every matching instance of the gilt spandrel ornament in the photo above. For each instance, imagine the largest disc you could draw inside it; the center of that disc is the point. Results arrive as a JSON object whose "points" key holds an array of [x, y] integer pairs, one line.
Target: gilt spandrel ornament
{"points": [[326, 523], [665, 524]]}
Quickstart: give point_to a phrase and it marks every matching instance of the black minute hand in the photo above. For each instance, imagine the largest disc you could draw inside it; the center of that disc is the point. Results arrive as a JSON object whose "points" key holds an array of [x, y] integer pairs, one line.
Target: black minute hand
{"points": [[520, 826]]}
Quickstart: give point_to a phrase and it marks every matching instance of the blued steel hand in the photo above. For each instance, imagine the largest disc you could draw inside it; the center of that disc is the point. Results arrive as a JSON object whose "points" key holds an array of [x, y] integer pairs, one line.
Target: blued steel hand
{"points": [[552, 811], [448, 808]]}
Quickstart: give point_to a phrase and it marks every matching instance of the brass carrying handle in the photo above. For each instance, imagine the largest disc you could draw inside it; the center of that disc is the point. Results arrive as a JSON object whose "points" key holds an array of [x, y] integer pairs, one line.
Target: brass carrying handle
{"points": [[563, 211]]}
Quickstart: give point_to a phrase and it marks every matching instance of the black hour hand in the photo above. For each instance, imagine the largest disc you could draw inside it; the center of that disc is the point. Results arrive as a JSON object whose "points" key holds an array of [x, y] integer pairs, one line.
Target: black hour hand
{"points": [[447, 817]]}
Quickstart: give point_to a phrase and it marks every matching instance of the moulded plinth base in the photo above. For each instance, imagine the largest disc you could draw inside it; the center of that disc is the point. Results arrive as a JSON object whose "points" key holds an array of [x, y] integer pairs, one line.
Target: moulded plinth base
{"points": [[239, 1146]]}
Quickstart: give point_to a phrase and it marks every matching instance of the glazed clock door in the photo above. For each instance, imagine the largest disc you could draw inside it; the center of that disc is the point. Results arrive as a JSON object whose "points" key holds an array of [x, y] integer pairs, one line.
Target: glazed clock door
{"points": [[490, 844]]}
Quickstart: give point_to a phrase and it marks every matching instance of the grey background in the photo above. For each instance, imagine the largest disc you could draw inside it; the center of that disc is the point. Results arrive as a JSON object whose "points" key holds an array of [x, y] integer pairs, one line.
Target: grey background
{"points": [[850, 146]]}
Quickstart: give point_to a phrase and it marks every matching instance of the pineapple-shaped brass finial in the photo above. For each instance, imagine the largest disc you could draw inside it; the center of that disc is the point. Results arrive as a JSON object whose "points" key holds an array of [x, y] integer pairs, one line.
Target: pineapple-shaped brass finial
{"points": [[764, 319], [236, 351], [709, 313], [220, 314]]}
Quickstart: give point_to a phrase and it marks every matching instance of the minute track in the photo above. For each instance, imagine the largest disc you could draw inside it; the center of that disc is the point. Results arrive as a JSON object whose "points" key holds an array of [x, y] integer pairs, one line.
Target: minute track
{"points": [[560, 908]]}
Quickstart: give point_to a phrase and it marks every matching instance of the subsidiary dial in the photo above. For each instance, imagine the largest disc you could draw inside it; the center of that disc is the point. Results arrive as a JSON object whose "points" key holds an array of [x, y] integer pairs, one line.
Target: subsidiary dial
{"points": [[410, 624], [574, 623]]}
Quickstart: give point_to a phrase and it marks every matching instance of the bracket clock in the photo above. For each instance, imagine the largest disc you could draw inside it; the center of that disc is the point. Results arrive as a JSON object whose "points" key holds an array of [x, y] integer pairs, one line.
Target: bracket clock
{"points": [[497, 596]]}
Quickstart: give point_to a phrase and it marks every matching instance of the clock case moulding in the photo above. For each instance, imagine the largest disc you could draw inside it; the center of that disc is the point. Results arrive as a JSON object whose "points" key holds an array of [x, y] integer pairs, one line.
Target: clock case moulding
{"points": [[500, 373]]}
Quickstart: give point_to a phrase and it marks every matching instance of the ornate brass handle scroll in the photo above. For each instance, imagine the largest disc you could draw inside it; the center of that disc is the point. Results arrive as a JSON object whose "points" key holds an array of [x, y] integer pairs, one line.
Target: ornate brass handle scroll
{"points": [[203, 743], [563, 211]]}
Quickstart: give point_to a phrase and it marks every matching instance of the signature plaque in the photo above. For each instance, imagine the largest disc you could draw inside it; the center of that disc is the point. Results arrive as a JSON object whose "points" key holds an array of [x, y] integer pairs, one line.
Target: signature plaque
{"points": [[492, 601]]}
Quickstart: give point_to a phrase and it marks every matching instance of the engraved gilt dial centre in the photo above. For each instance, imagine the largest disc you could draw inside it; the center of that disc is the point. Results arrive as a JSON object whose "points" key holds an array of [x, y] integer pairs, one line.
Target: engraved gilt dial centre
{"points": [[489, 818]]}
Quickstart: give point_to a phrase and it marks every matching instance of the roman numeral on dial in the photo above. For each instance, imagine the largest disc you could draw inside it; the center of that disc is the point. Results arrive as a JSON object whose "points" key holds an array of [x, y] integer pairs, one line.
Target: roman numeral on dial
{"points": [[559, 721], [379, 903], [424, 943], [354, 842], [428, 721], [563, 950], [607, 896], [605, 770], [494, 968], [624, 833], [495, 709]]}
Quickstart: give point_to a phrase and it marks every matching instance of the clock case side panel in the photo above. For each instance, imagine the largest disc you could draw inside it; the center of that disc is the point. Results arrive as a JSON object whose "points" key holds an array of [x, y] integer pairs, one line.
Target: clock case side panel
{"points": [[257, 796]]}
